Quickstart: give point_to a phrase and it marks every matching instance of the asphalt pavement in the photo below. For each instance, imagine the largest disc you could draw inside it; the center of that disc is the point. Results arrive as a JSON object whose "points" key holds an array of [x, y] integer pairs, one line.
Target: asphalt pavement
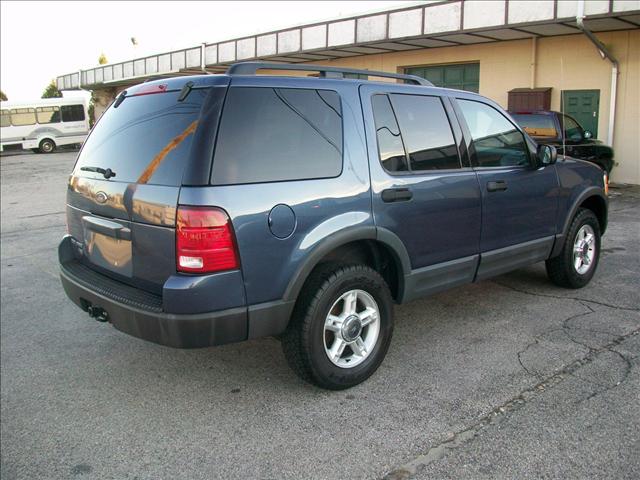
{"points": [[508, 378]]}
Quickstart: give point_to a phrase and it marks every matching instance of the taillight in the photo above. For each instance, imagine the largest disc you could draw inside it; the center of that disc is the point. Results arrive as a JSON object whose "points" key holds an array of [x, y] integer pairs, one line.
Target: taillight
{"points": [[606, 184], [204, 241], [150, 89]]}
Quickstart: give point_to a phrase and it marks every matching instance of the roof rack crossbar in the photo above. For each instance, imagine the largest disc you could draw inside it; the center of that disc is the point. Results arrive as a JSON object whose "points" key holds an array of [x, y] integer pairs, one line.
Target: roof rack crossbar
{"points": [[250, 68]]}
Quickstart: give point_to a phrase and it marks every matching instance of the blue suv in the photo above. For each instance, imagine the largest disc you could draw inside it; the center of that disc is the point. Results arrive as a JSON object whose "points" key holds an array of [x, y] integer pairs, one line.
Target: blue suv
{"points": [[212, 209]]}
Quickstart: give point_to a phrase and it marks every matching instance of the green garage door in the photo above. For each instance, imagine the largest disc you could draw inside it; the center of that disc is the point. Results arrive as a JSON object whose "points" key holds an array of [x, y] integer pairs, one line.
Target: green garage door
{"points": [[465, 76]]}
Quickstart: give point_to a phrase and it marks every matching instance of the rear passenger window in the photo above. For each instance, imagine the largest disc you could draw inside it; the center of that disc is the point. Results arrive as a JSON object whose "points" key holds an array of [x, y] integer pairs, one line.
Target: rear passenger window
{"points": [[413, 133], [276, 134], [392, 154], [497, 142], [426, 132], [23, 116], [5, 118], [48, 114]]}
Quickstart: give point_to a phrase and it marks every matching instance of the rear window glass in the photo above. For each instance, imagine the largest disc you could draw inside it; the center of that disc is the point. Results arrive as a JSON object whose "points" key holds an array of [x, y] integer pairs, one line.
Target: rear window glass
{"points": [[48, 114], [146, 139], [23, 116], [5, 118], [72, 113], [536, 125], [276, 134], [426, 132], [390, 146]]}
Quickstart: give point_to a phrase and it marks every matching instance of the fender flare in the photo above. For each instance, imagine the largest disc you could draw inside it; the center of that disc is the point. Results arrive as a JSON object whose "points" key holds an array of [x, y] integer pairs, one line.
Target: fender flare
{"points": [[592, 191], [344, 237], [589, 192]]}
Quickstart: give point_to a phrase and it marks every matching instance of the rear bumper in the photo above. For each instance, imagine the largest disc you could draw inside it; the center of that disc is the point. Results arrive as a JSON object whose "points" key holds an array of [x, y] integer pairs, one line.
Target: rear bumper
{"points": [[173, 330], [141, 315]]}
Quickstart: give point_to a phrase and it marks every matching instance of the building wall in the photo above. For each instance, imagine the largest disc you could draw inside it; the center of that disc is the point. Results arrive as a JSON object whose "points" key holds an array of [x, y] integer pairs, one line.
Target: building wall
{"points": [[563, 63], [569, 62]]}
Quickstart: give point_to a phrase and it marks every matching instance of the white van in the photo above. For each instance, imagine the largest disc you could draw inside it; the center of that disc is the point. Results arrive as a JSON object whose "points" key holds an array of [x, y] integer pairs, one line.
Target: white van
{"points": [[43, 125]]}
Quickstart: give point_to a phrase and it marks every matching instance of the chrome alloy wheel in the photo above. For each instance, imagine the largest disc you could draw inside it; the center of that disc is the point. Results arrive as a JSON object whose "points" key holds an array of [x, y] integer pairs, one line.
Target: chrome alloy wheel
{"points": [[584, 249], [351, 328]]}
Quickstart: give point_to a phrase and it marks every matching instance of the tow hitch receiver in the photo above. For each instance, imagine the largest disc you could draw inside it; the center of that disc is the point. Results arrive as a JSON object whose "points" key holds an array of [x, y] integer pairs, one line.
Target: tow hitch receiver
{"points": [[98, 313]]}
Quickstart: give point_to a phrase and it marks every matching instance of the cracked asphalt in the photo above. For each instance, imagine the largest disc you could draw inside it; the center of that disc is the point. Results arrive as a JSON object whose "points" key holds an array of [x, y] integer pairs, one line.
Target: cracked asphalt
{"points": [[507, 378]]}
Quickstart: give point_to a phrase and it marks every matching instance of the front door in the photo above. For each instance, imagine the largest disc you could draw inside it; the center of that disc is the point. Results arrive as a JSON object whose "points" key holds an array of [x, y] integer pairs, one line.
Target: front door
{"points": [[584, 106], [421, 192], [519, 199]]}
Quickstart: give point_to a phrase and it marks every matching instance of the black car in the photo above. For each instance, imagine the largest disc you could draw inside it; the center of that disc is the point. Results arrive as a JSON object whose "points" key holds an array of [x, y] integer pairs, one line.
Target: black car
{"points": [[563, 131]]}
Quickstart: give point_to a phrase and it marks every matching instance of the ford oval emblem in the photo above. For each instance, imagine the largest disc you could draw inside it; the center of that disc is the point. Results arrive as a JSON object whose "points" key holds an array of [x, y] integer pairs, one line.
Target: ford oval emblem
{"points": [[101, 197]]}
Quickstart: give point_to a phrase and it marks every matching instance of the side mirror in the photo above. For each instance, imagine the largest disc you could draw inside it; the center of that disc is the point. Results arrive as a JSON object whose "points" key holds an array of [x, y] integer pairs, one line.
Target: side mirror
{"points": [[587, 134], [547, 155]]}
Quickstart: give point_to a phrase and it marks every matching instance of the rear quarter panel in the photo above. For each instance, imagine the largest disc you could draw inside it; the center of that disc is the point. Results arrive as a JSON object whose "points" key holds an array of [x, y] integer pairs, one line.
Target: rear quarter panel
{"points": [[322, 207]]}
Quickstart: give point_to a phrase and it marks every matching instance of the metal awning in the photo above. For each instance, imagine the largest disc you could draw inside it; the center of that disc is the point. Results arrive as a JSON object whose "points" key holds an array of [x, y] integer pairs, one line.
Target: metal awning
{"points": [[439, 24]]}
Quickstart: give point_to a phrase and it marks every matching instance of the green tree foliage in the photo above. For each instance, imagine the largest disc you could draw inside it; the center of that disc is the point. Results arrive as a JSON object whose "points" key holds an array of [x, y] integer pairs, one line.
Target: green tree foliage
{"points": [[3, 97], [51, 91]]}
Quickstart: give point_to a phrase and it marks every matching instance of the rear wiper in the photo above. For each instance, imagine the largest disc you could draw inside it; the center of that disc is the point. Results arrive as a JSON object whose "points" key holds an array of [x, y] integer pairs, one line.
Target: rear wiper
{"points": [[120, 99], [108, 173], [186, 90]]}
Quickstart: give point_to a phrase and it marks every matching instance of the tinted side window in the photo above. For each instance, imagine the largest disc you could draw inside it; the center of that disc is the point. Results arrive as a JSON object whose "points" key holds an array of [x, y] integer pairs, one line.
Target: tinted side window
{"points": [[496, 140], [23, 116], [72, 113], [5, 118], [390, 147], [48, 114], [276, 134], [426, 132], [536, 125], [572, 130]]}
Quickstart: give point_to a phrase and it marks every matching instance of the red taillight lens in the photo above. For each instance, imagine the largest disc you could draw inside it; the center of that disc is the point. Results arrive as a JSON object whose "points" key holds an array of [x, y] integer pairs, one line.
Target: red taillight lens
{"points": [[204, 241]]}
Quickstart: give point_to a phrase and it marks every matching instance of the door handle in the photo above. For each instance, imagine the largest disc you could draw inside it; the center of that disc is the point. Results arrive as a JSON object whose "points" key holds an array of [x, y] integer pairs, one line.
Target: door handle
{"points": [[497, 186], [396, 195]]}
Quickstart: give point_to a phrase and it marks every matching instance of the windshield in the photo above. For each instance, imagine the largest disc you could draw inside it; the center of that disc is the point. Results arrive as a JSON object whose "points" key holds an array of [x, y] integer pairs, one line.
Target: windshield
{"points": [[572, 130], [536, 125], [146, 139]]}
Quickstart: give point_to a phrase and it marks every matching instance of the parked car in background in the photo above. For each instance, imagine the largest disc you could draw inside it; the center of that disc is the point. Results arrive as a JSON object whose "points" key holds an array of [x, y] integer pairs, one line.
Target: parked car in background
{"points": [[213, 209], [564, 132]]}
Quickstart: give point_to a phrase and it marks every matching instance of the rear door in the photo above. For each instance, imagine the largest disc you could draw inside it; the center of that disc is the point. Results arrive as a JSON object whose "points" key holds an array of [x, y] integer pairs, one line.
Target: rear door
{"points": [[123, 192], [422, 192], [519, 200]]}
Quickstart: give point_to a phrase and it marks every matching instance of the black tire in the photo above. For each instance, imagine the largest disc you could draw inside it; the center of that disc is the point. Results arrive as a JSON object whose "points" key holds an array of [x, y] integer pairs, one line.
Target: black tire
{"points": [[303, 341], [47, 146], [561, 269]]}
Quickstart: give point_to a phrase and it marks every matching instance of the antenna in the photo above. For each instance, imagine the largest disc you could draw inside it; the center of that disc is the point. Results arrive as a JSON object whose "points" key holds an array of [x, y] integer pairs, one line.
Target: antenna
{"points": [[562, 100]]}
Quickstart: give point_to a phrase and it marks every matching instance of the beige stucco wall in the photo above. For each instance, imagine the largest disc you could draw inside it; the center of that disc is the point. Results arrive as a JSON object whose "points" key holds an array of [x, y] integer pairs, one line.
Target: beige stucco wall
{"points": [[563, 63], [568, 62]]}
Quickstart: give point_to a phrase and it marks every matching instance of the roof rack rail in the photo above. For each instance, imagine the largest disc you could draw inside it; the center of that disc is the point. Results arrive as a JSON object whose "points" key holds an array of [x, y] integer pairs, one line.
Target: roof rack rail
{"points": [[250, 68]]}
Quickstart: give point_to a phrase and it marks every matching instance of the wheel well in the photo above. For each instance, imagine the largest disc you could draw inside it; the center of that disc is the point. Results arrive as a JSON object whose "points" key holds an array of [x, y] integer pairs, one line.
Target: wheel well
{"points": [[597, 205], [373, 254]]}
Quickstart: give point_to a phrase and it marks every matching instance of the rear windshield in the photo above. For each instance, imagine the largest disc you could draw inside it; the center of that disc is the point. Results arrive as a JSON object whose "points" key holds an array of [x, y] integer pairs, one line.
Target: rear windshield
{"points": [[536, 125], [146, 139]]}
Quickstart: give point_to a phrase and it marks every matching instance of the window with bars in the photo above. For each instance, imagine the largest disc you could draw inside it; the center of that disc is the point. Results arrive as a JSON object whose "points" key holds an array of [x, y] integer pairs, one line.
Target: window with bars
{"points": [[464, 76]]}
